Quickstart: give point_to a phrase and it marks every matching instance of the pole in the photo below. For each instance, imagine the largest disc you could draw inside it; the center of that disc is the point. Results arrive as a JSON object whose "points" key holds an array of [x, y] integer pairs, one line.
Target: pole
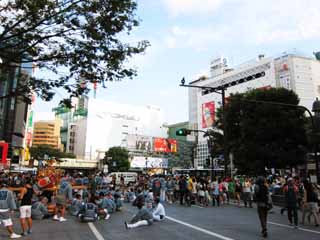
{"points": [[225, 150]]}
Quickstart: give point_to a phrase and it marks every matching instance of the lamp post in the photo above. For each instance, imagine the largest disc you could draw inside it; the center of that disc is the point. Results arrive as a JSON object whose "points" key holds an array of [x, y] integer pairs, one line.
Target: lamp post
{"points": [[316, 128], [220, 90]]}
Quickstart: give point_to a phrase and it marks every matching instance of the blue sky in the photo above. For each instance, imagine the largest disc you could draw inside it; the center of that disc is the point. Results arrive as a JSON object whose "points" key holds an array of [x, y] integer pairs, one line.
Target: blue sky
{"points": [[186, 34]]}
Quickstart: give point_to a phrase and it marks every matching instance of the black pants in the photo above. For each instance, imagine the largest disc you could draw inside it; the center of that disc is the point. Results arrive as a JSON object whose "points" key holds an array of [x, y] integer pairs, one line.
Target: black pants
{"points": [[294, 211], [263, 214], [215, 198], [182, 196]]}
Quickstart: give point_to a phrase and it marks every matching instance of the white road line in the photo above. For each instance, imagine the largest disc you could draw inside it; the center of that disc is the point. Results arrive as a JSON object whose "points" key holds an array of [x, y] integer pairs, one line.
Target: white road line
{"points": [[199, 229], [196, 206], [301, 229], [95, 231]]}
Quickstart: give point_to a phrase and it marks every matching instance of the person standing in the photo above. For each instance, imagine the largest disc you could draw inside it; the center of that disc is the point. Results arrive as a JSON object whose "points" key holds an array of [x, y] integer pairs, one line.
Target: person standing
{"points": [[311, 203], [64, 196], [183, 189], [247, 193], [25, 208], [291, 196], [237, 191], [7, 204], [262, 197]]}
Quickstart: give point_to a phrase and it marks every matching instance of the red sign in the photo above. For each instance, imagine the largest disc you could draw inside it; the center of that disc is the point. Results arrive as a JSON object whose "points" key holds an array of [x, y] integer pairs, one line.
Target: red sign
{"points": [[165, 145], [208, 114], [4, 154]]}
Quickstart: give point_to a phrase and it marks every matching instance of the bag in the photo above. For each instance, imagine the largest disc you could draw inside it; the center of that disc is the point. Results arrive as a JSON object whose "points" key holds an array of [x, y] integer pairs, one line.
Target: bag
{"points": [[157, 184], [90, 213]]}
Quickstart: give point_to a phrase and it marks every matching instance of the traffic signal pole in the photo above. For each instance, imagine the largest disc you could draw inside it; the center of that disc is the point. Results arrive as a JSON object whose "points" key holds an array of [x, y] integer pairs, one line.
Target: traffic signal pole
{"points": [[220, 90]]}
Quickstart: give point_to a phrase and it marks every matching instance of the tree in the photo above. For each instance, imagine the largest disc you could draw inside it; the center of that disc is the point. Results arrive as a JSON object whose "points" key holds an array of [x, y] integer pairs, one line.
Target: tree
{"points": [[265, 135], [117, 159], [77, 41], [38, 152]]}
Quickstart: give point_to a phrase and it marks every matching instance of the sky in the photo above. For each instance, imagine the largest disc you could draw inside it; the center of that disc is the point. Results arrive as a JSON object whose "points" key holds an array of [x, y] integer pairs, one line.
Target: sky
{"points": [[186, 34]]}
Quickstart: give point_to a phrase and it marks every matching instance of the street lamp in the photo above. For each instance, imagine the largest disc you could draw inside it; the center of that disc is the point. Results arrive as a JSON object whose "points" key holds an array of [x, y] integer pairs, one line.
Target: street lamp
{"points": [[316, 128]]}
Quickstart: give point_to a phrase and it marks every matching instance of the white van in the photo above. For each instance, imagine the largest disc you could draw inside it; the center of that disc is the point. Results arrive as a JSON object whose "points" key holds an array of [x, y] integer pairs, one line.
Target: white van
{"points": [[129, 177]]}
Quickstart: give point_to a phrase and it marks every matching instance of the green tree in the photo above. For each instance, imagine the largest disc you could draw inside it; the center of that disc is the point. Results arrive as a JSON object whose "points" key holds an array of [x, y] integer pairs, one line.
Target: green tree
{"points": [[76, 41], [40, 151], [265, 135], [117, 159]]}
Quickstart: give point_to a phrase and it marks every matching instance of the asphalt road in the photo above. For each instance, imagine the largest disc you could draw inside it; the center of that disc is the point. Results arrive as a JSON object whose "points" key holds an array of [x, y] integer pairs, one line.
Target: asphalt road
{"points": [[226, 223]]}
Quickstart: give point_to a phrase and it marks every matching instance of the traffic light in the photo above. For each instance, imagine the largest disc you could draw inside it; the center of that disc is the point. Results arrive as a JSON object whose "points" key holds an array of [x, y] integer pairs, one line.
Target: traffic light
{"points": [[183, 132]]}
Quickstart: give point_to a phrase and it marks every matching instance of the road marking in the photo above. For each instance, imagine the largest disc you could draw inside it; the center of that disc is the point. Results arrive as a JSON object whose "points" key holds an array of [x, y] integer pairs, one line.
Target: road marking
{"points": [[95, 231], [301, 229], [196, 206], [199, 229]]}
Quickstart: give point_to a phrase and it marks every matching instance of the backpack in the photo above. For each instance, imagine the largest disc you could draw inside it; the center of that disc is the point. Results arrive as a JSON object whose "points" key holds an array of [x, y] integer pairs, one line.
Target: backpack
{"points": [[90, 213], [157, 183]]}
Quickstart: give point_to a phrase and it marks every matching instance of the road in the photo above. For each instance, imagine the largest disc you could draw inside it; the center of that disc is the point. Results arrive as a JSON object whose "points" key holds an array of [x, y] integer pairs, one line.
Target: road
{"points": [[226, 223]]}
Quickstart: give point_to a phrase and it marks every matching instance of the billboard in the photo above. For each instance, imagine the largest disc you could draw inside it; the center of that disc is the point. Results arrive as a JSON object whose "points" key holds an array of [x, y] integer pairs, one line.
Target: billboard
{"points": [[139, 142], [148, 162], [165, 145], [208, 114]]}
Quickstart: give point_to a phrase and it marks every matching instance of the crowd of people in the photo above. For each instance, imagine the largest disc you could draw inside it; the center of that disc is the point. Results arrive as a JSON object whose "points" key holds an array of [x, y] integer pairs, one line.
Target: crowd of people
{"points": [[98, 197]]}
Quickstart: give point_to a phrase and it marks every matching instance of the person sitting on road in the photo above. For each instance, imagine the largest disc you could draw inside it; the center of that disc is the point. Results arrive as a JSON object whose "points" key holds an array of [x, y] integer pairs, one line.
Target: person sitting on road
{"points": [[89, 212], [76, 205], [142, 218], [117, 199], [110, 203], [39, 209], [159, 212], [7, 203], [102, 204]]}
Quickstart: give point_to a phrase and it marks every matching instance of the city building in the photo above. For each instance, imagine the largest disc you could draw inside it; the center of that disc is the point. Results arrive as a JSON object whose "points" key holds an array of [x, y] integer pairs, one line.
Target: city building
{"points": [[289, 70], [47, 133], [13, 109], [96, 125], [184, 158]]}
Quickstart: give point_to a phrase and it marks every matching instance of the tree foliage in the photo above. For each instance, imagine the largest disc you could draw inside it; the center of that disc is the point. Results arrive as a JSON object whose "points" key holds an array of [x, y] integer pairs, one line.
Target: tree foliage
{"points": [[40, 151], [77, 41], [265, 135], [117, 159]]}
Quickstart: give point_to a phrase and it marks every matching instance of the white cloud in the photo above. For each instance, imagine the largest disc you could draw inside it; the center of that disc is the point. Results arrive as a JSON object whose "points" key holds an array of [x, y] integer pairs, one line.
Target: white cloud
{"points": [[249, 22], [191, 7], [191, 37]]}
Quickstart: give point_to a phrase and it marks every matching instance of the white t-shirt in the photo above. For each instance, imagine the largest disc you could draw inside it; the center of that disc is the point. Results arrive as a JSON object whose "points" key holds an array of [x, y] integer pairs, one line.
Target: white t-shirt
{"points": [[159, 210]]}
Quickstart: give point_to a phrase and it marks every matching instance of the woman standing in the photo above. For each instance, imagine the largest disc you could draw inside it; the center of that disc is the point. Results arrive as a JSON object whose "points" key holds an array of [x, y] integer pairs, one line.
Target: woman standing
{"points": [[262, 199], [310, 203], [237, 191], [25, 208]]}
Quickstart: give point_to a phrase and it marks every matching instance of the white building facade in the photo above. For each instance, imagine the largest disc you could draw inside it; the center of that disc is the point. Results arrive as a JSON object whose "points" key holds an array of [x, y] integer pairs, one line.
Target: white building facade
{"points": [[108, 124], [298, 73]]}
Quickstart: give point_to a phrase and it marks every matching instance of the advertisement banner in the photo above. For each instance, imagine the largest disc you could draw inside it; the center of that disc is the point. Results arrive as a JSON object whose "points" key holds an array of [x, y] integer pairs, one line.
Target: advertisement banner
{"points": [[139, 142], [148, 162], [208, 114], [165, 145]]}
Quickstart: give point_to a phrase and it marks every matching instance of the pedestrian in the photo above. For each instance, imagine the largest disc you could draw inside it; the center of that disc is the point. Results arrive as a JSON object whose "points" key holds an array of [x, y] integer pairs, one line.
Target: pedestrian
{"points": [[63, 197], [291, 197], [143, 217], [311, 203], [7, 204], [237, 192], [25, 207], [247, 193], [263, 205], [183, 189]]}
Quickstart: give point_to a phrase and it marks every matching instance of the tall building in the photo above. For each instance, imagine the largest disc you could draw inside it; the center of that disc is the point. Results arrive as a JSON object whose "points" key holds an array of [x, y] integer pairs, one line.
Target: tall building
{"points": [[96, 125], [289, 70], [13, 109], [47, 133], [185, 153]]}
